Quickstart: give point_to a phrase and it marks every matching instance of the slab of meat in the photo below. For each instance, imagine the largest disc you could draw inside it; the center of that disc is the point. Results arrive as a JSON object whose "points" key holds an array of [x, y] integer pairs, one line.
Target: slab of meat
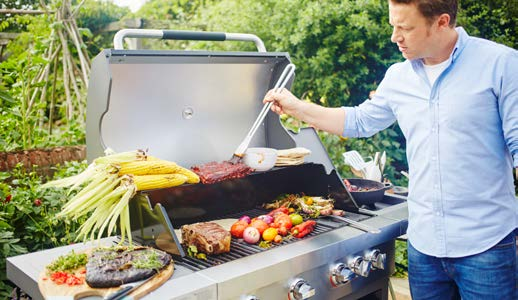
{"points": [[111, 267], [218, 171], [208, 237]]}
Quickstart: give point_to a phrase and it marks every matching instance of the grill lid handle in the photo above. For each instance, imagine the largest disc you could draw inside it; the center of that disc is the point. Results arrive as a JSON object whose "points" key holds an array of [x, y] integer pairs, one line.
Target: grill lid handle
{"points": [[118, 39]]}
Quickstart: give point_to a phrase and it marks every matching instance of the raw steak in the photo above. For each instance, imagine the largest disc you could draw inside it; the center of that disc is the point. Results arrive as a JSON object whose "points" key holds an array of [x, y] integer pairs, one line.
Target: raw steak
{"points": [[218, 171], [208, 237], [111, 267]]}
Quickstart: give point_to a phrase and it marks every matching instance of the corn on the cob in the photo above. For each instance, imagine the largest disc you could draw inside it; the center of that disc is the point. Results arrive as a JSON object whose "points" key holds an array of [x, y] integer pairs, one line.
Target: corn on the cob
{"points": [[148, 167], [191, 176], [136, 155], [149, 182], [157, 166], [109, 183]]}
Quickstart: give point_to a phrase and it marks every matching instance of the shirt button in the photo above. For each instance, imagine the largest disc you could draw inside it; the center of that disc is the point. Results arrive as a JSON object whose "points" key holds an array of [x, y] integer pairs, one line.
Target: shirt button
{"points": [[434, 158], [436, 186], [437, 213]]}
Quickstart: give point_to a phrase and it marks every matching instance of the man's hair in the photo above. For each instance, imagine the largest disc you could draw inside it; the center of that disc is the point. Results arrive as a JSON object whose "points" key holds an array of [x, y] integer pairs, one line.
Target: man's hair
{"points": [[433, 8]]}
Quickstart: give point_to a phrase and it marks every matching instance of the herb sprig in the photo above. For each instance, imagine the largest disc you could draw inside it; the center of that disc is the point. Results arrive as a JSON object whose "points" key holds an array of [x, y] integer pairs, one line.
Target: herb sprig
{"points": [[68, 262]]}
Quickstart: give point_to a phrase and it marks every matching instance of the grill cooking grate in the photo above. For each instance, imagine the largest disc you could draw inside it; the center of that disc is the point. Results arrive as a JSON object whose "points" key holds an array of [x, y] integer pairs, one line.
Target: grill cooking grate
{"points": [[240, 249]]}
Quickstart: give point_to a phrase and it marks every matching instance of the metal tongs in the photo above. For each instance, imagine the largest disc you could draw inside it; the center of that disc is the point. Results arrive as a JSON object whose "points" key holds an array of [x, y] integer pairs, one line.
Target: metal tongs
{"points": [[281, 83]]}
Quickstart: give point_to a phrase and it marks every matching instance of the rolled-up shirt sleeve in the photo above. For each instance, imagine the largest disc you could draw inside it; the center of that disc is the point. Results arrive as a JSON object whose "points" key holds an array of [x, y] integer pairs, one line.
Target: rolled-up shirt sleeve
{"points": [[369, 117]]}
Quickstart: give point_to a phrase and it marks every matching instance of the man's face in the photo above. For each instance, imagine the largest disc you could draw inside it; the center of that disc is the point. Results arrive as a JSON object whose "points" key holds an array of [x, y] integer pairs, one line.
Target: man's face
{"points": [[411, 32]]}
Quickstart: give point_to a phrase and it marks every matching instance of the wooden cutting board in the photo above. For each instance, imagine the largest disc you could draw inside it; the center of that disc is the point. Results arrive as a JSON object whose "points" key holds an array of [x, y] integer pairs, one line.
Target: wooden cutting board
{"points": [[50, 290]]}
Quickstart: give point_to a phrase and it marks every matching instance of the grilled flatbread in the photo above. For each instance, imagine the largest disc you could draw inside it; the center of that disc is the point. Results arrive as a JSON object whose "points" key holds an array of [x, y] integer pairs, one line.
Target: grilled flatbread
{"points": [[291, 157]]}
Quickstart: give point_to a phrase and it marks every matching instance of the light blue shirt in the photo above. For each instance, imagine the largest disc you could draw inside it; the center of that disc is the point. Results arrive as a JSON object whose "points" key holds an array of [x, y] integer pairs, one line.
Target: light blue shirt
{"points": [[462, 136]]}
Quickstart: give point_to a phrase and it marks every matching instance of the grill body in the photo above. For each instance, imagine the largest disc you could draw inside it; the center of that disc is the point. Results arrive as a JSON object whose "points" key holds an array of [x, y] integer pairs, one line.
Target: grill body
{"points": [[194, 107]]}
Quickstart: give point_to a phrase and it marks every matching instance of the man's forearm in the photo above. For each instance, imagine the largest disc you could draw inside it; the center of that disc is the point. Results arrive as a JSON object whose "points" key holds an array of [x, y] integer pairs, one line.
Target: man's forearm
{"points": [[330, 119]]}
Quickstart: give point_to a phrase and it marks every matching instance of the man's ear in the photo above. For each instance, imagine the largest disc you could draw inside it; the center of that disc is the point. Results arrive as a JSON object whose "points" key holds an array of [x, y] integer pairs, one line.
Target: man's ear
{"points": [[443, 21]]}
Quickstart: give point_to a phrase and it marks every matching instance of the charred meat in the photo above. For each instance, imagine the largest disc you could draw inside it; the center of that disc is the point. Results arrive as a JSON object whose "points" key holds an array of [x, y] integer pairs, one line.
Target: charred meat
{"points": [[208, 237], [111, 267]]}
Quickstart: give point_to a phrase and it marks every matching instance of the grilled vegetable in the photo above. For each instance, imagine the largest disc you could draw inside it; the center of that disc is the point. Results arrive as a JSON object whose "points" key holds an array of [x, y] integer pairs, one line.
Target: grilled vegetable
{"points": [[303, 229], [237, 229], [267, 218], [245, 219], [280, 210], [283, 220], [251, 235]]}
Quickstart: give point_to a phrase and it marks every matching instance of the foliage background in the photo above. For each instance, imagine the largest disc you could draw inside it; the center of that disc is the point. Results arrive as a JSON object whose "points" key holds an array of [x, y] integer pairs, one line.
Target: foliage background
{"points": [[341, 49]]}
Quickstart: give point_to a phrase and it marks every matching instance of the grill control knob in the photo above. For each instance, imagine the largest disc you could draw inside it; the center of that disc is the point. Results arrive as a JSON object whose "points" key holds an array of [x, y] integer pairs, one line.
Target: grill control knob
{"points": [[359, 266], [340, 274], [248, 297], [377, 259], [300, 289]]}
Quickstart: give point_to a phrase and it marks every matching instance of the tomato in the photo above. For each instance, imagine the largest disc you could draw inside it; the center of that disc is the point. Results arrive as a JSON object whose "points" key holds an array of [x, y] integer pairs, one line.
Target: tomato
{"points": [[283, 221], [260, 225], [269, 234], [296, 219], [277, 239], [61, 277], [308, 200], [238, 228]]}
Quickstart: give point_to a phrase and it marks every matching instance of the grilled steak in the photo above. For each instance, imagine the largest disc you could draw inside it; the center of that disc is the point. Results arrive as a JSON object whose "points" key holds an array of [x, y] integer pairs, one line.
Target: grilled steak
{"points": [[208, 237], [111, 267], [218, 171]]}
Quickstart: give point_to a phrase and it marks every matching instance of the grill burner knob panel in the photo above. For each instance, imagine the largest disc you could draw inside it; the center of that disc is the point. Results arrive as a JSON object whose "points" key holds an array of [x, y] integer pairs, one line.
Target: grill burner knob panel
{"points": [[300, 289], [340, 274], [359, 266], [377, 259]]}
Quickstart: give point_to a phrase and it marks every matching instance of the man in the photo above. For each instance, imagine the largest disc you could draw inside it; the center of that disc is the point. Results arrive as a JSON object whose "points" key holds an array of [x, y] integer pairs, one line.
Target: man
{"points": [[456, 101]]}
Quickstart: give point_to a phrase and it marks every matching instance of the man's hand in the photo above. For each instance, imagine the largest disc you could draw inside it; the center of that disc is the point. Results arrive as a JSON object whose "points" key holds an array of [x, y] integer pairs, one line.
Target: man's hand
{"points": [[330, 119], [284, 102]]}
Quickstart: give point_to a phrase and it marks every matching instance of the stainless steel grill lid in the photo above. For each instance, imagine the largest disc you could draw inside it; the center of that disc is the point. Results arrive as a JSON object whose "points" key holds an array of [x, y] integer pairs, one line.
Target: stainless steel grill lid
{"points": [[190, 107], [183, 106]]}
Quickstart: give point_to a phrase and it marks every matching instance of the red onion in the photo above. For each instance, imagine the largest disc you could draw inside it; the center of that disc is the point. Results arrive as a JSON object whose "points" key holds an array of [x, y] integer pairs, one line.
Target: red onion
{"points": [[266, 218], [251, 235], [246, 219]]}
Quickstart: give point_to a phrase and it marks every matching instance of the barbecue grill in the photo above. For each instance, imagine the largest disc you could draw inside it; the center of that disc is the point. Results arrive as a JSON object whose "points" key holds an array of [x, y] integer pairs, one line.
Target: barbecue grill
{"points": [[194, 107]]}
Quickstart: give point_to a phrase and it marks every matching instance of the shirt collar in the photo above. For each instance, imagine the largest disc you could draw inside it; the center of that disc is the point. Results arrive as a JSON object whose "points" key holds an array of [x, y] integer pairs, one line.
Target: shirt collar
{"points": [[459, 46]]}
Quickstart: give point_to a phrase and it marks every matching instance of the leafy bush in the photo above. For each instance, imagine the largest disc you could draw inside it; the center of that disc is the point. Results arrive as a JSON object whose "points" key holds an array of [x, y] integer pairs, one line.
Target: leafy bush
{"points": [[401, 259], [27, 215], [496, 20], [33, 114]]}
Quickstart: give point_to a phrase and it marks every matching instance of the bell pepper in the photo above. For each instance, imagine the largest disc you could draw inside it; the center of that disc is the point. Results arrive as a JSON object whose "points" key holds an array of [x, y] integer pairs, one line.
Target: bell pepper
{"points": [[303, 229]]}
